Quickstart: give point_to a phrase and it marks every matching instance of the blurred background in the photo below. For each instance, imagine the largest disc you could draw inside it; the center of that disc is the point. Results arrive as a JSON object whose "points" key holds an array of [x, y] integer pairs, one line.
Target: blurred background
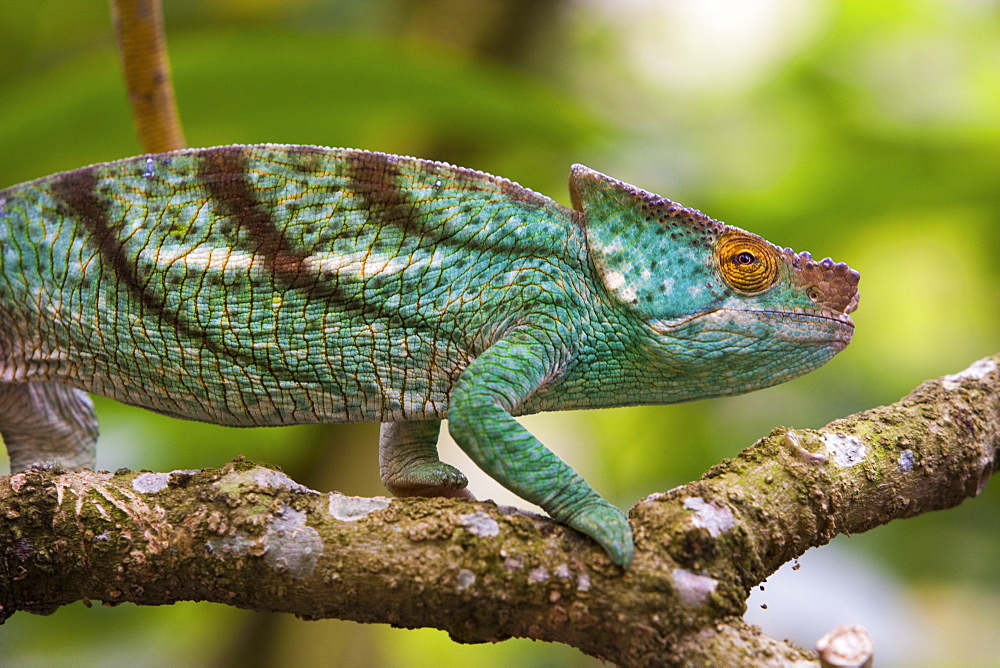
{"points": [[867, 131]]}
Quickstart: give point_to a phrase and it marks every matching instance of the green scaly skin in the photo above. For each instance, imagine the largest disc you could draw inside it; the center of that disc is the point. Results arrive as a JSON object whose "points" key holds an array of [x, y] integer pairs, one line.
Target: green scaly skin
{"points": [[275, 285]]}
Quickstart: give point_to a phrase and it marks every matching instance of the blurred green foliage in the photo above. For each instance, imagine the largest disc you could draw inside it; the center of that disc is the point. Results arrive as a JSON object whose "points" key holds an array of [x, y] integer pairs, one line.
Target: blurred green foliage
{"points": [[865, 131]]}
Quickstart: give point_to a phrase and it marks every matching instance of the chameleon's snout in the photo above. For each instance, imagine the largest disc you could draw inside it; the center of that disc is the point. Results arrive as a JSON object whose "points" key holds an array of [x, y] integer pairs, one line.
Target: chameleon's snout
{"points": [[833, 285]]}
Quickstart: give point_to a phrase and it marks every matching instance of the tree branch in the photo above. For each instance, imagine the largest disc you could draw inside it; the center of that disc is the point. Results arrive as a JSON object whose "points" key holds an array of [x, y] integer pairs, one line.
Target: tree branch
{"points": [[249, 536]]}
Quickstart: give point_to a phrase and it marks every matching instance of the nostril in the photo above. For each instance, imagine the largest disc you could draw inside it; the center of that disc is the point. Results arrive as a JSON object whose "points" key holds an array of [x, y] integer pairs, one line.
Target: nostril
{"points": [[813, 294]]}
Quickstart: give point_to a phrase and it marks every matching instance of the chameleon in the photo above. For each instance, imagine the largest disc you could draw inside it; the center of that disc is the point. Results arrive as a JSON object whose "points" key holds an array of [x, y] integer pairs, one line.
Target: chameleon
{"points": [[283, 284]]}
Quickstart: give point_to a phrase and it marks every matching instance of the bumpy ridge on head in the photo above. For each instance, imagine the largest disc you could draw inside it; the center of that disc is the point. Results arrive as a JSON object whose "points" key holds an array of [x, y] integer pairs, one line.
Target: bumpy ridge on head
{"points": [[672, 215], [831, 284], [588, 186]]}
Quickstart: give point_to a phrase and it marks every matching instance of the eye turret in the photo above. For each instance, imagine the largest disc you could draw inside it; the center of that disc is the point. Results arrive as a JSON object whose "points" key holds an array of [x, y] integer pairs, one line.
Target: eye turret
{"points": [[748, 264]]}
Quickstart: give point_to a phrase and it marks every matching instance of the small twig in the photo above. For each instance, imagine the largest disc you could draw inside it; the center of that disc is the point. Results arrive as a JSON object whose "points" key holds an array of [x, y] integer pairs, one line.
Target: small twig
{"points": [[142, 46]]}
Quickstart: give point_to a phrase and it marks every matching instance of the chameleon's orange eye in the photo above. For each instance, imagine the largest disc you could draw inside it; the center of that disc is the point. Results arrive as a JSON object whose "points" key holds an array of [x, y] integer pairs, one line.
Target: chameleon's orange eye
{"points": [[748, 263]]}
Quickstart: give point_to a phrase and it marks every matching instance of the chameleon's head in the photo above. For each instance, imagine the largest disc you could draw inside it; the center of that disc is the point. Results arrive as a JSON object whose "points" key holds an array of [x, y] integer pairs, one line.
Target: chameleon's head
{"points": [[719, 302]]}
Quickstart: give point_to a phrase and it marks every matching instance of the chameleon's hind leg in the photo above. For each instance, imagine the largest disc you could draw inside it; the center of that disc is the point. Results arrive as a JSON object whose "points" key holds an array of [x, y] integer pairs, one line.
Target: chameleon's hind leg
{"points": [[47, 423], [409, 464]]}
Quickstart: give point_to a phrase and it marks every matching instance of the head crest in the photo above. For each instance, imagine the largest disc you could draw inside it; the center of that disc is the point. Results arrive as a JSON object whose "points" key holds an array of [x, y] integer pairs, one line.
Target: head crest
{"points": [[652, 253]]}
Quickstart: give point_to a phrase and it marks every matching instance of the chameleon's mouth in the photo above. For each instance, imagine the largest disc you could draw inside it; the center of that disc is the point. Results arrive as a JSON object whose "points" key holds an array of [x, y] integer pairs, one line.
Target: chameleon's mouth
{"points": [[827, 325]]}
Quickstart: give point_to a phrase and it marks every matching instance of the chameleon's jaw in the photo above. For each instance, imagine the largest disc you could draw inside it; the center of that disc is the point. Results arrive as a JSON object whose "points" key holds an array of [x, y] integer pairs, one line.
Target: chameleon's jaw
{"points": [[752, 347], [820, 326], [842, 319]]}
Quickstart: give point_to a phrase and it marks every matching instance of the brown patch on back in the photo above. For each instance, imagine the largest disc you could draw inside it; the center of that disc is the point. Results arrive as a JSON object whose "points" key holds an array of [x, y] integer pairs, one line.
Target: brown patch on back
{"points": [[307, 159], [224, 172], [375, 178], [77, 194]]}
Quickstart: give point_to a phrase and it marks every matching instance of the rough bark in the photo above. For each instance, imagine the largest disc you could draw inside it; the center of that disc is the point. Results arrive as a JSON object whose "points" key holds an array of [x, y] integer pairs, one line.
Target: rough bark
{"points": [[249, 536]]}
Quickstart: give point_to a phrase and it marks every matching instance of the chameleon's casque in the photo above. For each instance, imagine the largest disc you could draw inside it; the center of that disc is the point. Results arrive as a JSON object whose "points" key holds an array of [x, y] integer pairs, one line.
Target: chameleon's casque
{"points": [[275, 285]]}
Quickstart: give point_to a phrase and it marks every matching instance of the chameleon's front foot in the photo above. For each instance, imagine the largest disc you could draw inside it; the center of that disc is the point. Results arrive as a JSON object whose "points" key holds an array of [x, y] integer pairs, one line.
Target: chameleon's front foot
{"points": [[607, 525]]}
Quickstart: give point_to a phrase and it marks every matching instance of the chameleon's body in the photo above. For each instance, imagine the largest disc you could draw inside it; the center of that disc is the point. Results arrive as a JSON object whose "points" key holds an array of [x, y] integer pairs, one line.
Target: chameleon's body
{"points": [[276, 285]]}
